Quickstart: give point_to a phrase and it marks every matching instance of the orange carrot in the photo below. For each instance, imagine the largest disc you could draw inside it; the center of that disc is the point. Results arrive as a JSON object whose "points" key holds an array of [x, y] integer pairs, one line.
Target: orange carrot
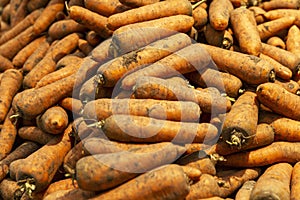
{"points": [[105, 7], [281, 12], [72, 104], [258, 14], [245, 191], [293, 40], [276, 176], [93, 38], [291, 85], [223, 38], [252, 70], [219, 13], [35, 134], [5, 64], [84, 46], [64, 184], [138, 3], [36, 4], [276, 41], [295, 182], [285, 129], [91, 20], [280, 4], [9, 189], [70, 194], [169, 182], [161, 109], [200, 16], [62, 28], [18, 11]]}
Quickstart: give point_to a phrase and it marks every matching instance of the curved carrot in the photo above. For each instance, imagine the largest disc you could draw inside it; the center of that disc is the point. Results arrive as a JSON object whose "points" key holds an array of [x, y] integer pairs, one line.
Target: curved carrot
{"points": [[105, 7]]}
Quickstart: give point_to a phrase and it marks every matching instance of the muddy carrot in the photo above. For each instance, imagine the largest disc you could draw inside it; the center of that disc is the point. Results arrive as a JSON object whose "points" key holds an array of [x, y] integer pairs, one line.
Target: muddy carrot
{"points": [[258, 14], [64, 184], [69, 194], [277, 42], [18, 11], [244, 27], [291, 85], [105, 7], [72, 104], [48, 15], [91, 20], [293, 40], [192, 172], [138, 3], [144, 33], [281, 12], [238, 3], [36, 4], [285, 129], [276, 176], [245, 191], [5, 64], [271, 28], [33, 133], [219, 13], [49, 156], [217, 38], [161, 109], [84, 46], [258, 70], [92, 170], [295, 182], [9, 189], [62, 28], [280, 4], [200, 16]]}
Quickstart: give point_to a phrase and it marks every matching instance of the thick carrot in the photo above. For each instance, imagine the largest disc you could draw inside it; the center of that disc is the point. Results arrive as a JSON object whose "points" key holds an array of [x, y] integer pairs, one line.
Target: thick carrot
{"points": [[5, 64], [33, 133], [276, 176], [277, 42], [200, 16], [13, 168], [54, 120], [281, 12], [219, 13], [250, 69], [70, 194], [91, 20], [244, 27], [293, 40], [138, 3], [9, 188], [286, 105], [93, 38], [64, 184], [271, 28], [22, 151], [48, 15], [192, 173], [286, 129], [245, 191], [129, 128], [17, 29], [295, 182], [280, 4], [34, 170], [291, 85], [264, 135], [141, 14], [30, 103], [62, 28], [223, 38], [111, 72], [223, 185], [281, 70], [71, 104], [167, 182], [240, 124], [103, 171], [161, 109], [105, 7], [144, 33], [18, 11], [84, 46]]}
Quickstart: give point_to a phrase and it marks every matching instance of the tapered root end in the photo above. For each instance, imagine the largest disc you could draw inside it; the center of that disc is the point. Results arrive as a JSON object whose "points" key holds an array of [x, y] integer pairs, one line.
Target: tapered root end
{"points": [[272, 76], [237, 138]]}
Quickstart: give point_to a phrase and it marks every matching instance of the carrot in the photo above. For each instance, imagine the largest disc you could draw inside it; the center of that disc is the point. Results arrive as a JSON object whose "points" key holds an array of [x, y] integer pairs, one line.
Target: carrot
{"points": [[128, 128], [161, 109], [167, 182], [271, 28], [192, 173], [240, 123], [13, 167], [157, 88], [223, 38], [225, 82], [6, 64], [258, 14], [22, 26], [48, 63], [238, 3], [72, 157], [141, 14], [281, 71], [49, 156], [268, 93], [92, 172], [48, 15], [285, 129], [76, 2], [251, 70], [18, 11], [3, 3], [35, 57], [35, 134], [138, 3], [291, 85], [70, 194], [144, 33], [281, 12], [9, 188], [295, 182], [72, 104], [277, 42], [62, 28], [293, 40], [84, 46], [22, 151], [91, 20], [54, 120], [30, 103], [223, 185], [105, 7], [20, 58], [280, 4], [64, 184], [200, 16], [245, 191], [244, 27], [219, 13], [276, 176], [36, 4], [93, 38], [81, 130]]}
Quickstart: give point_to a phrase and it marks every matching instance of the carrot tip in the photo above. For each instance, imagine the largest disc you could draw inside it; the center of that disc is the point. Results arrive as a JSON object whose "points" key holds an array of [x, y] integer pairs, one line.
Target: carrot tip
{"points": [[27, 186]]}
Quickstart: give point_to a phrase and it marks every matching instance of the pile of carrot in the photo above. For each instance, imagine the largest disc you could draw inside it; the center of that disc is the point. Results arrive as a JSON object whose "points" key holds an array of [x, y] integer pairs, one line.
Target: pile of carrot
{"points": [[149, 99]]}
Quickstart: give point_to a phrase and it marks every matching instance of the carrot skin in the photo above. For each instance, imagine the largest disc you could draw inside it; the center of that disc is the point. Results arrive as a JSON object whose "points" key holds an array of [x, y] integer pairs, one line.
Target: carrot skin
{"points": [[220, 20], [295, 182]]}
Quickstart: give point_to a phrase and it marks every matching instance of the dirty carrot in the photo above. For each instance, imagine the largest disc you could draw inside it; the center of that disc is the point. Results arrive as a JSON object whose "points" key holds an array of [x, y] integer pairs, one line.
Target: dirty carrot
{"points": [[295, 182], [92, 172], [192, 172], [111, 72], [49, 156], [105, 7], [293, 40], [268, 93], [258, 14], [280, 4], [240, 124], [70, 194], [245, 191], [64, 184], [286, 129], [250, 69], [276, 176], [8, 188], [291, 85], [93, 38], [281, 12], [62, 28], [138, 3], [277, 42], [84, 46], [219, 13], [18, 11], [161, 109], [5, 64], [71, 104], [36, 4], [200, 16], [244, 27], [144, 33], [223, 38]]}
